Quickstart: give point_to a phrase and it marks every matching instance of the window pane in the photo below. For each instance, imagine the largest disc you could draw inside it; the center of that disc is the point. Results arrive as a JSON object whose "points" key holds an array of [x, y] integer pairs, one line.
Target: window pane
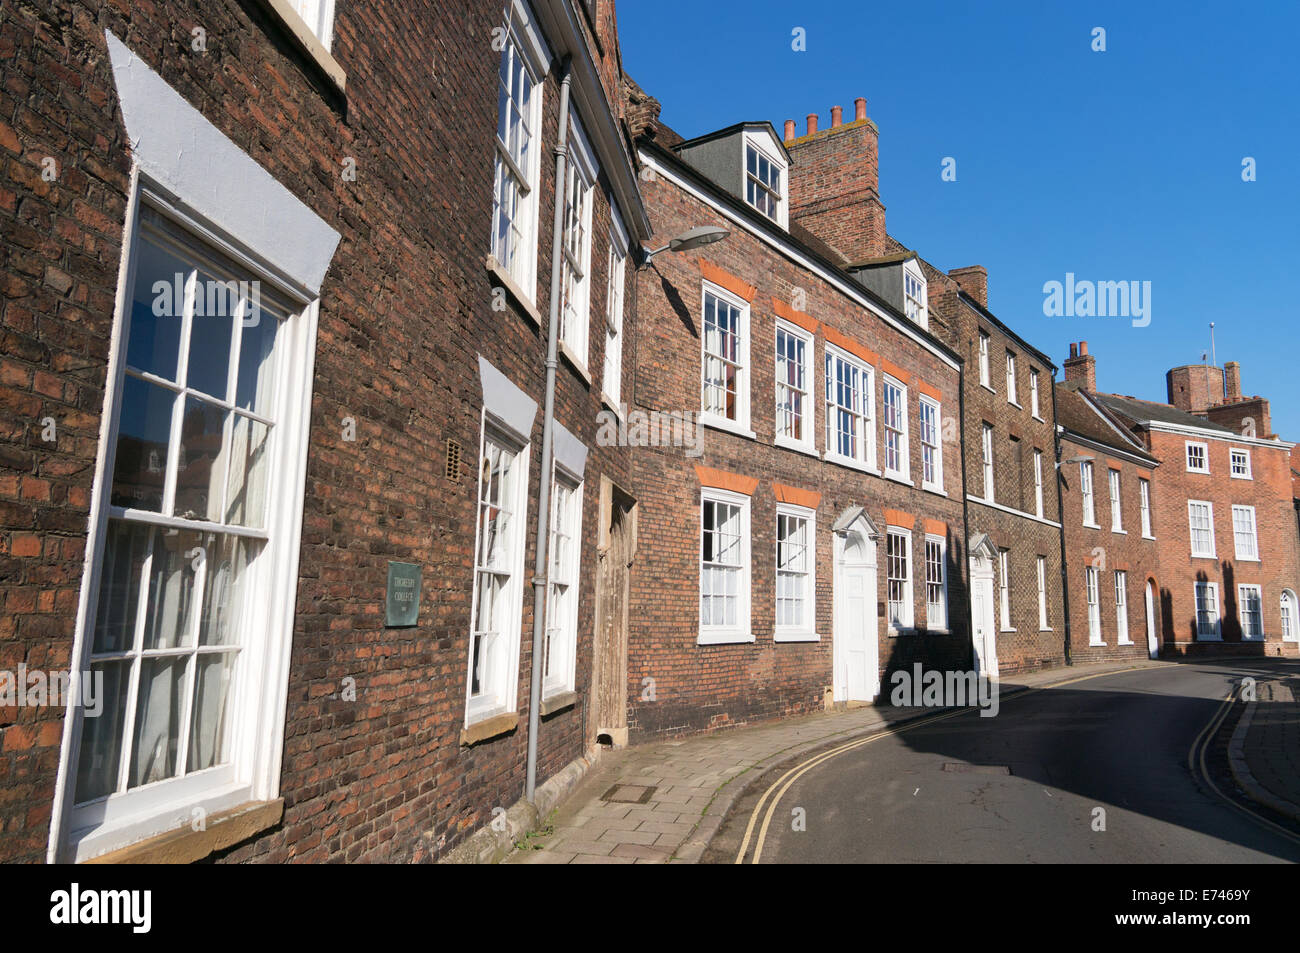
{"points": [[169, 621], [208, 720], [246, 484], [200, 467], [140, 463], [215, 304], [157, 720], [227, 558], [101, 736], [157, 306], [255, 389], [120, 573]]}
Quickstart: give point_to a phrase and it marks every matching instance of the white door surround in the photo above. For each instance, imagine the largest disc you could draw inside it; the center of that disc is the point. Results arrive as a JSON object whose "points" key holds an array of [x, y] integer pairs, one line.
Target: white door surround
{"points": [[856, 624], [984, 640], [1153, 643]]}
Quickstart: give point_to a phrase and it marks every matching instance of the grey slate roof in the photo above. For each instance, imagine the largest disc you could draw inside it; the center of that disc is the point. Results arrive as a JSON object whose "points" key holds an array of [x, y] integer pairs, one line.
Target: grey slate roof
{"points": [[1146, 411]]}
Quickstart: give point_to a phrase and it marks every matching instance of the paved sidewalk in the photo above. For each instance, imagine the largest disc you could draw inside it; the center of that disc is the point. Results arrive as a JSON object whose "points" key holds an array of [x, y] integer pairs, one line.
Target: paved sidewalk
{"points": [[678, 791], [1265, 749]]}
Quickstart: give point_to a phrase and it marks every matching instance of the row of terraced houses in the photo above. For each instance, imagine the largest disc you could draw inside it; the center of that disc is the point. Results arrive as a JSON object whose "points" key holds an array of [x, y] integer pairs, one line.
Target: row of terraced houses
{"points": [[397, 414]]}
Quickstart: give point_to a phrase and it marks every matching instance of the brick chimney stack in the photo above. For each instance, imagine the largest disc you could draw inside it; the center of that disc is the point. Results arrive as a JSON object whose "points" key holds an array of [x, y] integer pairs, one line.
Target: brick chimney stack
{"points": [[1081, 368], [834, 184], [1232, 372], [974, 280]]}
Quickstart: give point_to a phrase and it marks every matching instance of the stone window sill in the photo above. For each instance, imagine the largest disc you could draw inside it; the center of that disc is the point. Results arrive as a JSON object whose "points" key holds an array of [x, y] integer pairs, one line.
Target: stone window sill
{"points": [[307, 42], [557, 703], [503, 280], [185, 846], [489, 728], [578, 366]]}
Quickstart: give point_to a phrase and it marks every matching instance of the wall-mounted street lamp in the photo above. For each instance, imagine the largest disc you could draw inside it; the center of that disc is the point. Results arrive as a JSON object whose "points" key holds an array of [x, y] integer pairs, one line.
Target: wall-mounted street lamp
{"points": [[1080, 459], [692, 238]]}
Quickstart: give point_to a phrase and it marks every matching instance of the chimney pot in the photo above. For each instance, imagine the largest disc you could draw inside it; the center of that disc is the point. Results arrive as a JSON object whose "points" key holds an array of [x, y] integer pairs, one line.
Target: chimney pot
{"points": [[812, 123], [1083, 348], [789, 130], [1074, 349], [837, 116], [860, 107]]}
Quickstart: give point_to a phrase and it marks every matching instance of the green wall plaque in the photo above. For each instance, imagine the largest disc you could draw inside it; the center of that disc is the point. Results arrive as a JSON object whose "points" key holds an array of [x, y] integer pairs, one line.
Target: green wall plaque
{"points": [[402, 604]]}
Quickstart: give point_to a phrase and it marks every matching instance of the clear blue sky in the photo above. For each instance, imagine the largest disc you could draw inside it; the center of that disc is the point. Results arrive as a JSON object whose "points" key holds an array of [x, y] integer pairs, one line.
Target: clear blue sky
{"points": [[1120, 165]]}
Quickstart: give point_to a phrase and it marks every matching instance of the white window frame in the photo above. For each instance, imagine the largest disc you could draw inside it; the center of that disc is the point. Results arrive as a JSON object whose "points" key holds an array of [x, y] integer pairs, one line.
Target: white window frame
{"points": [[1244, 592], [580, 175], [1114, 487], [255, 725], [1088, 494], [863, 417], [933, 448], [904, 470], [1251, 553], [1244, 454], [806, 632], [1204, 448], [1042, 594], [743, 374], [1038, 483], [524, 45], [916, 304], [611, 381], [742, 631], [1212, 552], [906, 618], [1144, 494], [986, 459], [760, 143], [1034, 409], [1011, 380], [808, 442], [1121, 608], [1290, 616], [1210, 589], [499, 694], [936, 613], [1004, 590], [985, 378], [561, 630], [1092, 588], [317, 16]]}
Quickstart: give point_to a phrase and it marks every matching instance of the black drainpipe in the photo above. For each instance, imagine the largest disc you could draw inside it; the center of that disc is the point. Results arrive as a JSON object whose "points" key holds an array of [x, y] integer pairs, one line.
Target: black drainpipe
{"points": [[1060, 518], [965, 505]]}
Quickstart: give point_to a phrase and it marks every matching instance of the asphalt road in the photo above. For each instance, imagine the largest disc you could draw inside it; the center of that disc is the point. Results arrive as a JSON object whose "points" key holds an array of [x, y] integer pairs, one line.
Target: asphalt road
{"points": [[1025, 786]]}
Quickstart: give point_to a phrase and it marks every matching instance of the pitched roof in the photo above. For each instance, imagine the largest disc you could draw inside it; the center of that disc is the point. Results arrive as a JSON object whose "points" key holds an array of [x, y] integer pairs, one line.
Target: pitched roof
{"points": [[1081, 417], [1147, 411]]}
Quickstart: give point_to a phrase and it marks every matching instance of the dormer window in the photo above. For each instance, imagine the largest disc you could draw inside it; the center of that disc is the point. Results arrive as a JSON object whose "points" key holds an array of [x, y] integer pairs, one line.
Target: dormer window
{"points": [[915, 305], [764, 177]]}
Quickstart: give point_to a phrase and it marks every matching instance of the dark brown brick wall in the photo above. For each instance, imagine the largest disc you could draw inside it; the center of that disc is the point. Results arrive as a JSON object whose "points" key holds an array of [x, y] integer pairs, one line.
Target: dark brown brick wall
{"points": [[405, 309]]}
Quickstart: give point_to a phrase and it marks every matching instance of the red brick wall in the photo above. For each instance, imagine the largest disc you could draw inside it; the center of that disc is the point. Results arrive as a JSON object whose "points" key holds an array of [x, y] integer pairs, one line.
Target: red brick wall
{"points": [[834, 188], [405, 309], [1108, 551], [1279, 567], [700, 687]]}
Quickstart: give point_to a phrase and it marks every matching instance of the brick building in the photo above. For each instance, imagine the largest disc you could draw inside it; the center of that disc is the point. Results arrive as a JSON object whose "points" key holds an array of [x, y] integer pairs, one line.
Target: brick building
{"points": [[275, 277], [812, 539], [1223, 516], [1108, 521]]}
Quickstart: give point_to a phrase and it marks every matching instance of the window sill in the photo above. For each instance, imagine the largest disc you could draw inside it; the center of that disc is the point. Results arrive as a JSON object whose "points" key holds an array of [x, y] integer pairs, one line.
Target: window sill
{"points": [[1047, 630], [796, 637], [578, 366], [899, 478], [185, 846], [1202, 472], [504, 280], [1007, 630], [1119, 532], [724, 638], [895, 631], [557, 703], [1248, 559], [1015, 404], [1205, 556], [730, 426], [489, 728], [850, 463], [789, 443], [938, 630], [936, 490], [987, 388], [1096, 645], [307, 42], [1088, 525], [1126, 642], [1145, 536], [1041, 421], [1236, 477], [608, 403]]}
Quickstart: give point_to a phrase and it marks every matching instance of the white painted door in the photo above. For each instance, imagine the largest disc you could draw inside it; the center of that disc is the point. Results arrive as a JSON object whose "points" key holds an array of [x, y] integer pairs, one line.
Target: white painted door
{"points": [[1153, 644], [983, 637], [856, 624]]}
